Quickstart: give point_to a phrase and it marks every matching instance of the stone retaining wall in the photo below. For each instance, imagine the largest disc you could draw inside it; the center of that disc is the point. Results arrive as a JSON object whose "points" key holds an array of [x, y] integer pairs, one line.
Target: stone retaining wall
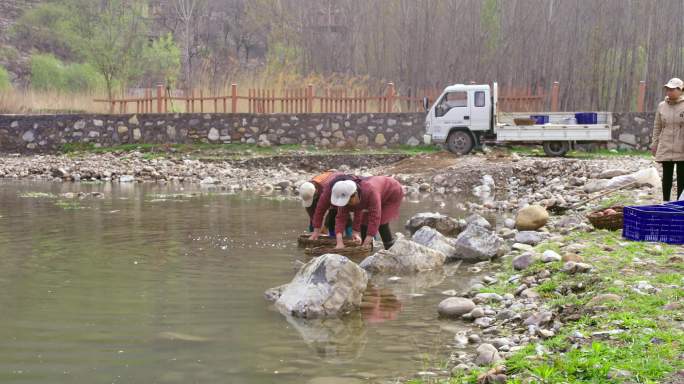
{"points": [[48, 133]]}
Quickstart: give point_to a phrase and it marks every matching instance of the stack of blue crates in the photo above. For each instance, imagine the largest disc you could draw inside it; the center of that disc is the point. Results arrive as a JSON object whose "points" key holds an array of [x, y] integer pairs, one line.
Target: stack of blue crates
{"points": [[662, 223]]}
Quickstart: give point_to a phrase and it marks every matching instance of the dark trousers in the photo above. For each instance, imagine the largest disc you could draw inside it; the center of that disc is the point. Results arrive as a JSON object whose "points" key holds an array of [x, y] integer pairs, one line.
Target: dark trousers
{"points": [[668, 169], [385, 234]]}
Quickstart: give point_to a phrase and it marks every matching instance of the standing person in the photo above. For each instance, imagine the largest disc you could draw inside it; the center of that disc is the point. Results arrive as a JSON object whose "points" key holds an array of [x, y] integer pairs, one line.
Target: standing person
{"points": [[668, 136], [315, 196], [374, 200]]}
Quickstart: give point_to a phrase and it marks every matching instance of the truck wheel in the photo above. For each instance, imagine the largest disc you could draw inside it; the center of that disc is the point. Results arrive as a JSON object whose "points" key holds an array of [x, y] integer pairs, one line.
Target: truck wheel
{"points": [[556, 148], [460, 142]]}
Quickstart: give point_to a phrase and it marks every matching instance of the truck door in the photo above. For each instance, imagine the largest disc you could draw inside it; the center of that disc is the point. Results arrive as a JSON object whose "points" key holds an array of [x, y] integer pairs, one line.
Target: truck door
{"points": [[452, 110], [480, 111]]}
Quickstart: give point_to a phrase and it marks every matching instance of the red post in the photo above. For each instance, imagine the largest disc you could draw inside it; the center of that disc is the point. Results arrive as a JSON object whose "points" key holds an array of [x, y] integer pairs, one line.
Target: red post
{"points": [[160, 95], [555, 93], [233, 98], [642, 96], [201, 101]]}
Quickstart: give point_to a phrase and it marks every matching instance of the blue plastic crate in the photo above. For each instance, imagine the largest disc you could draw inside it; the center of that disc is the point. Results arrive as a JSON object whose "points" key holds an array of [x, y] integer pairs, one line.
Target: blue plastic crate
{"points": [[661, 223], [540, 119], [586, 117], [676, 204]]}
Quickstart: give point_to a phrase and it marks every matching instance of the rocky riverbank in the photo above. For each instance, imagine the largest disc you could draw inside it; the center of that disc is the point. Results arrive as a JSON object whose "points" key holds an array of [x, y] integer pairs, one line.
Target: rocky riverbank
{"points": [[501, 180]]}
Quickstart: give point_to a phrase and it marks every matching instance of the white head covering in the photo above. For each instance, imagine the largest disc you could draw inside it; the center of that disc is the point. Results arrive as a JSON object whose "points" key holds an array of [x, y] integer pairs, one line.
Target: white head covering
{"points": [[306, 192], [675, 82], [342, 192]]}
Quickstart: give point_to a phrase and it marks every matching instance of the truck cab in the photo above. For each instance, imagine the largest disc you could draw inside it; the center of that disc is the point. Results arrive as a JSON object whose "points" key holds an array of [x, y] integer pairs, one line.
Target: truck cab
{"points": [[460, 117]]}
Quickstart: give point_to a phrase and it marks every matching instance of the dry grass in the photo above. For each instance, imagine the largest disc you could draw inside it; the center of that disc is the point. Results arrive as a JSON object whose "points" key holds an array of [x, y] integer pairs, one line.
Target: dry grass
{"points": [[37, 102]]}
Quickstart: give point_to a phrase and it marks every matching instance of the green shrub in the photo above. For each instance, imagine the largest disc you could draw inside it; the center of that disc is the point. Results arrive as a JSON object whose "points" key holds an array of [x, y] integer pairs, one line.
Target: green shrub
{"points": [[49, 73], [4, 80]]}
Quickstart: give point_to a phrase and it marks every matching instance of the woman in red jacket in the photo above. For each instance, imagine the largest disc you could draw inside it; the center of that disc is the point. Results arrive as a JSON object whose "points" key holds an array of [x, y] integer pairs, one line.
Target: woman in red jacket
{"points": [[315, 195], [374, 201]]}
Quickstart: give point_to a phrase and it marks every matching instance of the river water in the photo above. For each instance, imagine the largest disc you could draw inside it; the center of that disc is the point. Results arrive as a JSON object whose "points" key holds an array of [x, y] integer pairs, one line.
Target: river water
{"points": [[155, 283]]}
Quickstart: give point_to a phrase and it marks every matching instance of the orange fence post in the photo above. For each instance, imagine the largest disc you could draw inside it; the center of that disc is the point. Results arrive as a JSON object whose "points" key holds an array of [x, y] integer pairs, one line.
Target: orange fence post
{"points": [[160, 94], [642, 96], [310, 97], [390, 98], [233, 98], [555, 93]]}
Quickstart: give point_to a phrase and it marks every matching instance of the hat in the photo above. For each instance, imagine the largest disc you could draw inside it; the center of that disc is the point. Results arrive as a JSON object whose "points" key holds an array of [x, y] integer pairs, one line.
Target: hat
{"points": [[341, 192], [306, 192], [675, 83]]}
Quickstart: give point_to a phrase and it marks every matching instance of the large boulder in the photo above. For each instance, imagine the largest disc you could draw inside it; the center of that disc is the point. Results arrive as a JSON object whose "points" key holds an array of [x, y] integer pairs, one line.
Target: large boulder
{"points": [[444, 224], [404, 257], [477, 244], [455, 307], [431, 238], [327, 286], [531, 218]]}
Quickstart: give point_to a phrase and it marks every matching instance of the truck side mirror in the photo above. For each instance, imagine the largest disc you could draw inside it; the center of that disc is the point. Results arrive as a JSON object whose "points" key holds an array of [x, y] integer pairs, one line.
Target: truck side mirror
{"points": [[426, 104]]}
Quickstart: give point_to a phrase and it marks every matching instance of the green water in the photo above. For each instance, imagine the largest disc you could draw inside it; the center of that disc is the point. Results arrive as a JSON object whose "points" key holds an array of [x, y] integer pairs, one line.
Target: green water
{"points": [[142, 287]]}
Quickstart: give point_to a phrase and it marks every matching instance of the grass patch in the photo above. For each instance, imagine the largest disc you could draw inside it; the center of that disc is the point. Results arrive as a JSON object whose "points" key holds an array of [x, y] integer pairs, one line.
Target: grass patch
{"points": [[651, 340], [218, 151]]}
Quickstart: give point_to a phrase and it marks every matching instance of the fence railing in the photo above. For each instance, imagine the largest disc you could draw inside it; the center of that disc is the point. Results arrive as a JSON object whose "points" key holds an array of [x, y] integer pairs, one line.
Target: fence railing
{"points": [[311, 100]]}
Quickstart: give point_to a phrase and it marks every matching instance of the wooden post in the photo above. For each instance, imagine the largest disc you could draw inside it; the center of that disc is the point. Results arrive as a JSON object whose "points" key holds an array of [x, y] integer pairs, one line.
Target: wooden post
{"points": [[233, 98], [390, 98], [201, 101], [642, 96], [310, 98], [555, 93], [160, 95]]}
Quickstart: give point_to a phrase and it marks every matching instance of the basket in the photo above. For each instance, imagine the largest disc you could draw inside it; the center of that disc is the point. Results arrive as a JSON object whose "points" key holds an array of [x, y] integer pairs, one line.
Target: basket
{"points": [[353, 252], [524, 121], [610, 222], [663, 223], [323, 241]]}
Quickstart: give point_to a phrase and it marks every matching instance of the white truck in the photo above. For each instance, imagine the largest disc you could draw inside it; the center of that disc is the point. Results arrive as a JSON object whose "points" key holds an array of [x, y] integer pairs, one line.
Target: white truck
{"points": [[466, 116]]}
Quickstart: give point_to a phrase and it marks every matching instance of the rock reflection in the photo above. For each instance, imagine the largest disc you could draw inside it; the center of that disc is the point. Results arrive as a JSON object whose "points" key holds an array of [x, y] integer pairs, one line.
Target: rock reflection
{"points": [[334, 340]]}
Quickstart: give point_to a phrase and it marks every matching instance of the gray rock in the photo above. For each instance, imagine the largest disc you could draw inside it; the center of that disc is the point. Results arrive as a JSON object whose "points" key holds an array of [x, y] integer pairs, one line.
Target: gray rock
{"points": [[478, 220], [432, 238], [28, 136], [455, 307], [550, 256], [126, 179], [539, 318], [474, 339], [509, 223], [572, 267], [522, 247], [529, 293], [484, 322], [524, 261], [487, 297], [476, 313], [487, 354], [529, 237], [327, 286], [442, 223], [404, 257], [477, 244]]}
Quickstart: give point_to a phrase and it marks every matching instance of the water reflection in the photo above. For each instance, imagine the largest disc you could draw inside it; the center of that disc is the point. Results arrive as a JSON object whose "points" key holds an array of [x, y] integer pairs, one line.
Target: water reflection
{"points": [[379, 305], [334, 340]]}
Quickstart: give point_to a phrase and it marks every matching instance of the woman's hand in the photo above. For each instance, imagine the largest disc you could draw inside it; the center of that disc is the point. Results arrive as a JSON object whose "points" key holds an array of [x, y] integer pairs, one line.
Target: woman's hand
{"points": [[356, 237], [339, 245], [368, 241], [315, 234]]}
